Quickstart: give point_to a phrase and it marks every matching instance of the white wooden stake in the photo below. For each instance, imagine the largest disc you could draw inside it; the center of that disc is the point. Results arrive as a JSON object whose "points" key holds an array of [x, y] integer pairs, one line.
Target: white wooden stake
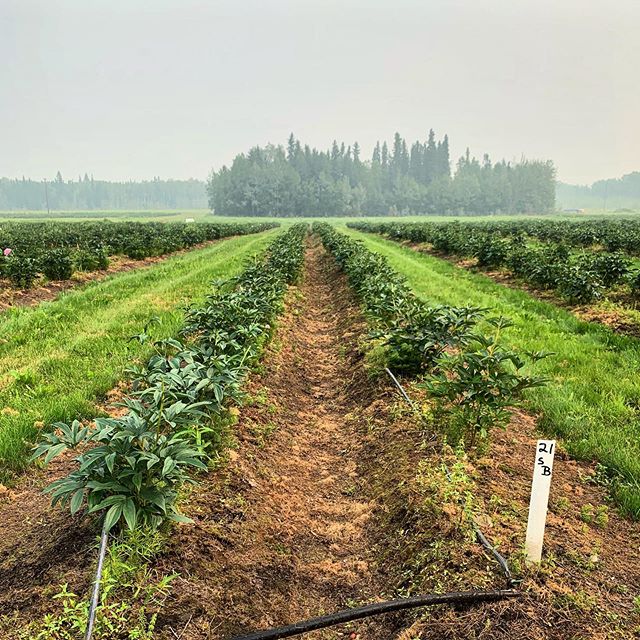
{"points": [[540, 486]]}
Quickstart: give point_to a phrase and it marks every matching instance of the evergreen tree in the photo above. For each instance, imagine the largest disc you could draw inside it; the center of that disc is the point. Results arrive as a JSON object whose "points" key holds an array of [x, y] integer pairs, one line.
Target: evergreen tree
{"points": [[376, 158], [415, 162], [356, 152], [385, 155], [431, 171], [291, 148], [444, 162]]}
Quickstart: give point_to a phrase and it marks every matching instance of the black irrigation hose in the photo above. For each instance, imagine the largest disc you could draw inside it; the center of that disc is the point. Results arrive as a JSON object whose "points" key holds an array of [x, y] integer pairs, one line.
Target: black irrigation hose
{"points": [[348, 615], [500, 559], [95, 597], [401, 389]]}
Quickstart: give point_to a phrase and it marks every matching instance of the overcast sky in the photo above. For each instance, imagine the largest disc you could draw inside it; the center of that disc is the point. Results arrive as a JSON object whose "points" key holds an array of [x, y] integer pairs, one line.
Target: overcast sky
{"points": [[133, 89]]}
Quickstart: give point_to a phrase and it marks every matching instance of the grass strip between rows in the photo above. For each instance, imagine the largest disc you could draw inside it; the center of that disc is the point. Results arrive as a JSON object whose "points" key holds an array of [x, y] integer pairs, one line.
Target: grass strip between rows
{"points": [[593, 399], [582, 276], [132, 467], [59, 358]]}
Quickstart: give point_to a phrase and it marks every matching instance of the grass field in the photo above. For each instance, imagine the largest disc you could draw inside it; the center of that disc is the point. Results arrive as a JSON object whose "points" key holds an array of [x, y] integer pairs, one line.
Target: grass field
{"points": [[57, 360], [593, 398]]}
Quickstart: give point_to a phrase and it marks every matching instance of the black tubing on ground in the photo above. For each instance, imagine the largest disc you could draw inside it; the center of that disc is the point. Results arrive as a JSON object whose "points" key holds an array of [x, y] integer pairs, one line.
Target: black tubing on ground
{"points": [[462, 598]]}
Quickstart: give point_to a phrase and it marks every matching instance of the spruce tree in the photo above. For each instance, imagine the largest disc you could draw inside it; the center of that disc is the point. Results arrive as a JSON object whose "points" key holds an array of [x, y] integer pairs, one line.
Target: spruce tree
{"points": [[376, 158], [291, 148], [356, 152], [415, 162], [444, 162]]}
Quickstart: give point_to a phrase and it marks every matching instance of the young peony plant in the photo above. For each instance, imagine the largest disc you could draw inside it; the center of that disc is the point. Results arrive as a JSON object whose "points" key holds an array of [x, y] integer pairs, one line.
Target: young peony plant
{"points": [[132, 466], [477, 386]]}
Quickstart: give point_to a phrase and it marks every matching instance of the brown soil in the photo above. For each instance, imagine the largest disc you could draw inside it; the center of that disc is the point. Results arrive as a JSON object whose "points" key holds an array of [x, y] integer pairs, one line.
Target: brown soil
{"points": [[590, 574], [618, 320], [284, 532], [40, 548], [10, 297]]}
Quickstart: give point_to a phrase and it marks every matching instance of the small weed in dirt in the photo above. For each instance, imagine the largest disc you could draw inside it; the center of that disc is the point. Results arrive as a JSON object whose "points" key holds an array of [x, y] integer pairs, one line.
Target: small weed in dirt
{"points": [[281, 549], [561, 505], [350, 490], [588, 562], [376, 358], [257, 399], [450, 488], [578, 600], [595, 515], [262, 431]]}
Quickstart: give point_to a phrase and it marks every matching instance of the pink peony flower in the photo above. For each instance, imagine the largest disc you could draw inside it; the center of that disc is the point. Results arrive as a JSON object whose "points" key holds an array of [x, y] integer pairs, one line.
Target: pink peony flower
{"points": [[7, 252]]}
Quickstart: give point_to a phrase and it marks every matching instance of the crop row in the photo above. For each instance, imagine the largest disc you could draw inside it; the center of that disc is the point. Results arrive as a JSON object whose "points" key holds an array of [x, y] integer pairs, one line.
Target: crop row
{"points": [[470, 376], [609, 235], [578, 276], [56, 250], [131, 466]]}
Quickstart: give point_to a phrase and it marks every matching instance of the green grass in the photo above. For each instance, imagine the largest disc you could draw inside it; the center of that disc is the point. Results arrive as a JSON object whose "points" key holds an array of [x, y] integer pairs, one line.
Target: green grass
{"points": [[58, 359], [593, 399]]}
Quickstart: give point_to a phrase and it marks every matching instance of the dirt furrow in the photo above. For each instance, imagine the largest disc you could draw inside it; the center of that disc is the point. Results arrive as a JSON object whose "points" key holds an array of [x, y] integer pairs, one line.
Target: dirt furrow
{"points": [[284, 532]]}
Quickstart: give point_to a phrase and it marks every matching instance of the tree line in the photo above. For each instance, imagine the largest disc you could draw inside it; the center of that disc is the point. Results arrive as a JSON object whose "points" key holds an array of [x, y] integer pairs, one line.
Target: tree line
{"points": [[399, 179], [87, 194], [612, 193]]}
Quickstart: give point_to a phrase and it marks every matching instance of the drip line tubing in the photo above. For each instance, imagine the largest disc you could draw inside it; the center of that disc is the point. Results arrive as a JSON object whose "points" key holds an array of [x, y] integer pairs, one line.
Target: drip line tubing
{"points": [[481, 538], [95, 597], [358, 613]]}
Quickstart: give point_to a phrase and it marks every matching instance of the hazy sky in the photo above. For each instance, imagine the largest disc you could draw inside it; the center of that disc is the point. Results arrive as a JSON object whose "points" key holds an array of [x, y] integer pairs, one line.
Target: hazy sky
{"points": [[131, 89]]}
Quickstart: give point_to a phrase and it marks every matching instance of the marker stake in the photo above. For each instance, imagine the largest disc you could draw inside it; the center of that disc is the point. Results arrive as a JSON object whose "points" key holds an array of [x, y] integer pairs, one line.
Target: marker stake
{"points": [[540, 486]]}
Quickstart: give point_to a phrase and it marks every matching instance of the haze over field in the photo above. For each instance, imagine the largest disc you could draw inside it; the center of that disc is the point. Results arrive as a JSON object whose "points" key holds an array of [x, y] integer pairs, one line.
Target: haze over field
{"points": [[131, 90]]}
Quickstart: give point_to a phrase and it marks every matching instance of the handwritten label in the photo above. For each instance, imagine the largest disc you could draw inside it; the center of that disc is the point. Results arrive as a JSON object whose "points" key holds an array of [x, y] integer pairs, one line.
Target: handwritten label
{"points": [[538, 504]]}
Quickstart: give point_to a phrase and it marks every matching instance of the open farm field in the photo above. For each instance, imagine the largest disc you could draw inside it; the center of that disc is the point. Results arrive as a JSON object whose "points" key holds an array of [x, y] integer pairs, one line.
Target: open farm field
{"points": [[60, 358], [590, 266], [591, 400], [259, 468], [151, 215], [205, 215]]}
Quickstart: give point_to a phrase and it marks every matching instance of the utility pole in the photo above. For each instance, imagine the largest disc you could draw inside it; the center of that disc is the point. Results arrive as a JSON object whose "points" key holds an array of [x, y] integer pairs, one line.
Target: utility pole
{"points": [[46, 196]]}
